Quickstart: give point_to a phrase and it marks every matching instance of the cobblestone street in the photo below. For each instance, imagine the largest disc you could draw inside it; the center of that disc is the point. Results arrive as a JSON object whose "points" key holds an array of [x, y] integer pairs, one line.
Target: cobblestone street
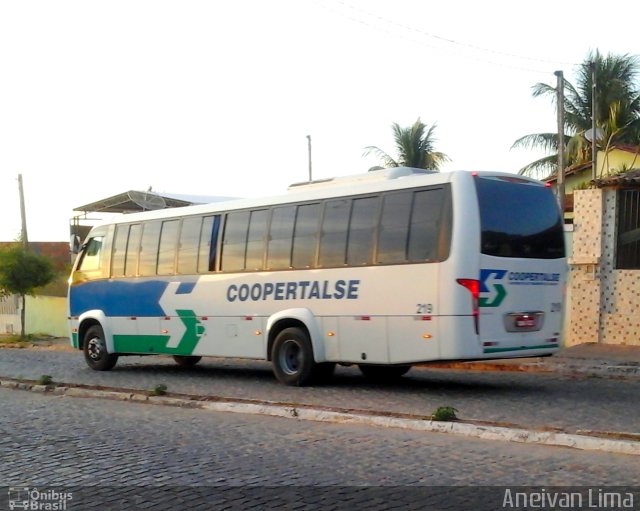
{"points": [[79, 443], [534, 400]]}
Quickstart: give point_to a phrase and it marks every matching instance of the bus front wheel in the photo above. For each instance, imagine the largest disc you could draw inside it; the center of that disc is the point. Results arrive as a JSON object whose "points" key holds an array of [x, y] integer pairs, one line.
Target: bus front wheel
{"points": [[186, 360], [95, 350], [292, 357]]}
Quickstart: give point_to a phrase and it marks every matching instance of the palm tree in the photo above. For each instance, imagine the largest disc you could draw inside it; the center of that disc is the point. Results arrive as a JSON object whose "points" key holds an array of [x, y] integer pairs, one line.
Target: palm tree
{"points": [[617, 112], [415, 147]]}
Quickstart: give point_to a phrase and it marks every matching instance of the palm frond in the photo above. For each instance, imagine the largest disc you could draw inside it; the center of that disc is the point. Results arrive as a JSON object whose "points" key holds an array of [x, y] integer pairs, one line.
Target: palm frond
{"points": [[386, 160], [617, 107], [414, 145], [544, 141], [541, 168]]}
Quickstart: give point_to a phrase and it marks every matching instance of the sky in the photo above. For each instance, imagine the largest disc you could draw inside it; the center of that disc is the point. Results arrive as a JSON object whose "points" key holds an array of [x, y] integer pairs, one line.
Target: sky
{"points": [[217, 97]]}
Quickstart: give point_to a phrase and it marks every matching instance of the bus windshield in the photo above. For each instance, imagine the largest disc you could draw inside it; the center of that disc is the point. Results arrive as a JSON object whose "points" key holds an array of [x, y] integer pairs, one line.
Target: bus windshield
{"points": [[519, 219]]}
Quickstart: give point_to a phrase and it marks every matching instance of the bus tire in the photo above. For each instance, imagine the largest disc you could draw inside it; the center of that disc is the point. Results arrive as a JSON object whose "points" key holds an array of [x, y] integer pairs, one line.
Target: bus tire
{"points": [[292, 357], [186, 360], [383, 372], [95, 350]]}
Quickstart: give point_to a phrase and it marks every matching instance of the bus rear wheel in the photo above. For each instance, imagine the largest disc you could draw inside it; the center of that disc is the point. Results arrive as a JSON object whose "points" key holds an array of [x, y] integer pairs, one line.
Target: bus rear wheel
{"points": [[292, 357], [186, 360], [382, 372], [95, 350]]}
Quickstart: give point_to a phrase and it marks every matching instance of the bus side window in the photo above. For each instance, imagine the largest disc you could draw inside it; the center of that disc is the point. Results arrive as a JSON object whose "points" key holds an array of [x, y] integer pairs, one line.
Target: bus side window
{"points": [[255, 239], [188, 245], [148, 249], [333, 235], [234, 244], [207, 253], [92, 254], [119, 250], [281, 238], [132, 251], [167, 247], [305, 236], [425, 224], [362, 226], [394, 228]]}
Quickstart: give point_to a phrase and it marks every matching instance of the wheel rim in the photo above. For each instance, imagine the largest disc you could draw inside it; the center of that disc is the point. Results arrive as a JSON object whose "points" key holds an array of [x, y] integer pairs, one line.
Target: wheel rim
{"points": [[94, 348], [290, 357]]}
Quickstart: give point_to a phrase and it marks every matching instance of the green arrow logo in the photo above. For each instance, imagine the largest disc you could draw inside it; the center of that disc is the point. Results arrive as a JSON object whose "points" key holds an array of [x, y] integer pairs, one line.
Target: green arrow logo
{"points": [[499, 291], [193, 331]]}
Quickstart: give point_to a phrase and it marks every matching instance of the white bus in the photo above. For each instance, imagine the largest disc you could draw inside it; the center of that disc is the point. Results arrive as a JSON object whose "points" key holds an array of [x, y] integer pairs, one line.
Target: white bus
{"points": [[384, 270]]}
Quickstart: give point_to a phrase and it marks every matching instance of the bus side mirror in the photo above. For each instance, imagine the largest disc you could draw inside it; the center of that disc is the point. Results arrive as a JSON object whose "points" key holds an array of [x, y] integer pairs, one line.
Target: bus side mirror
{"points": [[75, 244]]}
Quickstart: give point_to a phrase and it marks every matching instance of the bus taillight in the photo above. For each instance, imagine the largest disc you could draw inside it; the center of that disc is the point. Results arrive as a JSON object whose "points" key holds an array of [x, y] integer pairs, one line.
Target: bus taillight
{"points": [[473, 286]]}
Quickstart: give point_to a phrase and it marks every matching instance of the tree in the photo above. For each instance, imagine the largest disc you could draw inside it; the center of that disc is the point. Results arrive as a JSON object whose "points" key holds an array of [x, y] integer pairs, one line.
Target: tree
{"points": [[415, 147], [617, 111], [21, 272]]}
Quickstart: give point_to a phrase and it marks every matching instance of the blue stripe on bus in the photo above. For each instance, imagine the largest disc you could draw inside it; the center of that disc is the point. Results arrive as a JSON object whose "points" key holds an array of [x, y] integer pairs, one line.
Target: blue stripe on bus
{"points": [[185, 288], [116, 298]]}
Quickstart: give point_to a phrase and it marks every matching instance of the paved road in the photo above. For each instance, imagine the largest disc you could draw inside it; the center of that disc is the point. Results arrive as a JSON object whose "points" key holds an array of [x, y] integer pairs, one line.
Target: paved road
{"points": [[530, 400], [103, 451]]}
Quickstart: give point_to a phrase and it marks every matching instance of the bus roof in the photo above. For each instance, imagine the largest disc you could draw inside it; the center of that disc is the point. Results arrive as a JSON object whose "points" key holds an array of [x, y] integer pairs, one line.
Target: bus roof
{"points": [[370, 182]]}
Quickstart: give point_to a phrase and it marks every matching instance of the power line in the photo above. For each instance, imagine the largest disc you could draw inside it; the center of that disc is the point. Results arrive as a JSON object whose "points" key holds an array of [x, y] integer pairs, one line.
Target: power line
{"points": [[447, 41]]}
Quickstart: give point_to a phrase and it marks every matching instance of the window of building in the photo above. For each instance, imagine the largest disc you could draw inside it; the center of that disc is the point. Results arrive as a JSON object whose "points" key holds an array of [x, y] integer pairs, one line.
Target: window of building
{"points": [[628, 233]]}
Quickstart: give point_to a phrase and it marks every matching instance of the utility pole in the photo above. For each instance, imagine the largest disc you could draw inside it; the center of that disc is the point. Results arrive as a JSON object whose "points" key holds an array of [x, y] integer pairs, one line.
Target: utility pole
{"points": [[25, 238], [309, 146], [560, 102], [594, 115]]}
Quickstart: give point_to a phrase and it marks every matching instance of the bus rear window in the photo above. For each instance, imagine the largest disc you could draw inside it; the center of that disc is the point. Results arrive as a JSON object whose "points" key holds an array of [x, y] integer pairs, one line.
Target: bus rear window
{"points": [[519, 219]]}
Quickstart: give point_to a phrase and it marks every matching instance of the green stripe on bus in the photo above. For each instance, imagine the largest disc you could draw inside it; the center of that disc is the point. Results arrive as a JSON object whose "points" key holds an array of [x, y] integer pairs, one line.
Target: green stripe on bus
{"points": [[158, 343], [521, 348], [143, 344]]}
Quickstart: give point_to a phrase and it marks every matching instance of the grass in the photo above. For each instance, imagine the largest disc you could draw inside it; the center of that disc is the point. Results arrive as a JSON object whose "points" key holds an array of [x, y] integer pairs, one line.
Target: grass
{"points": [[444, 413], [14, 341], [45, 379], [159, 390]]}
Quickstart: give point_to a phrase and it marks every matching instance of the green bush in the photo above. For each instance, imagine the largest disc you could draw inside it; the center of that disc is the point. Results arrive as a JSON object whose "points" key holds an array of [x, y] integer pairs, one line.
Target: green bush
{"points": [[45, 379], [444, 413], [159, 390]]}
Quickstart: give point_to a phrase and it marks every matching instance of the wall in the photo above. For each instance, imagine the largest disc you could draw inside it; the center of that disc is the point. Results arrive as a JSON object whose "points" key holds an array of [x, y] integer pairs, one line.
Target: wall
{"points": [[604, 301], [9, 315], [615, 160], [47, 315]]}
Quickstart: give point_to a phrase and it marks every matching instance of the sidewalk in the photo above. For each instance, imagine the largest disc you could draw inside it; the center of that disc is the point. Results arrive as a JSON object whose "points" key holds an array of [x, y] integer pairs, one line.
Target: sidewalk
{"points": [[590, 358]]}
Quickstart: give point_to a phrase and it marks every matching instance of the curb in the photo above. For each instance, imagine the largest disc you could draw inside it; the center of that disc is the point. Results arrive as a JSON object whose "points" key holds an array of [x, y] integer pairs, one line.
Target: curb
{"points": [[584, 441], [558, 367]]}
